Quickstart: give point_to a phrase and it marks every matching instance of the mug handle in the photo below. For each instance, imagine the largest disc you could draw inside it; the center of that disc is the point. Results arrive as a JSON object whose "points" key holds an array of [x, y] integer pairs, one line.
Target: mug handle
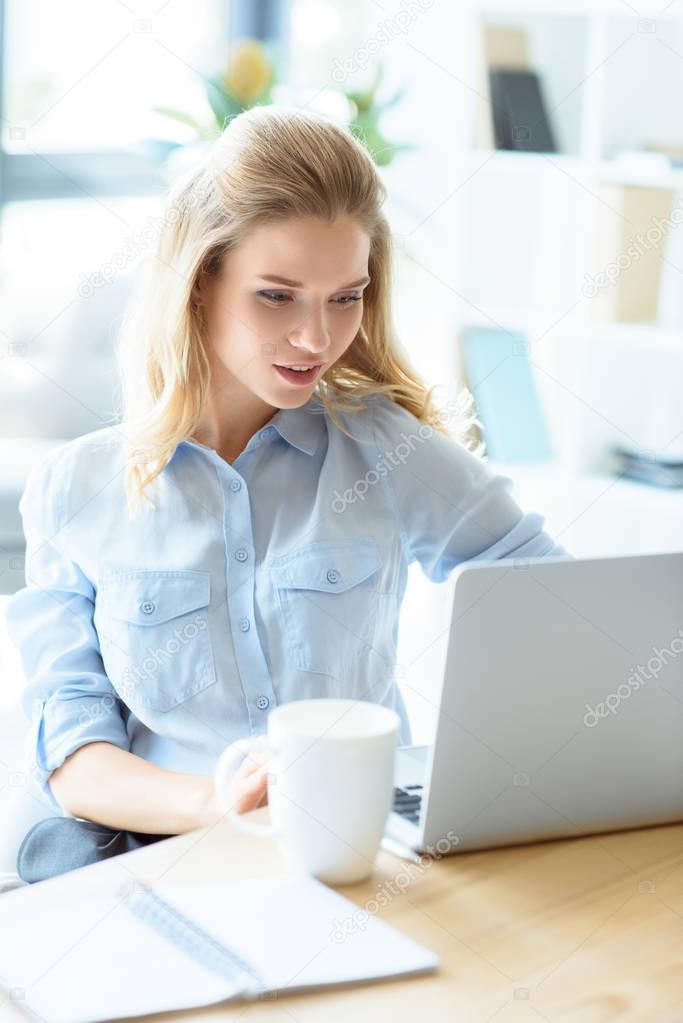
{"points": [[227, 766]]}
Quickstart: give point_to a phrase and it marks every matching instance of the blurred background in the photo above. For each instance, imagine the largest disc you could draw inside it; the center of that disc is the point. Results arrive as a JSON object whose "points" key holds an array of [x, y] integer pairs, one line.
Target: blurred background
{"points": [[533, 155]]}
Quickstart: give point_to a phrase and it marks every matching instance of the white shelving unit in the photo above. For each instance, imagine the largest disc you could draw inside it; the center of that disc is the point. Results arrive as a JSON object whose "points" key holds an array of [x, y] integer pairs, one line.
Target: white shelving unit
{"points": [[526, 224], [502, 238]]}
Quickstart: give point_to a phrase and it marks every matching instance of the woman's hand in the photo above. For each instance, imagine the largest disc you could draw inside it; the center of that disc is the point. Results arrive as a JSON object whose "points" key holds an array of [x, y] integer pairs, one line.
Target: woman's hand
{"points": [[248, 790], [249, 787]]}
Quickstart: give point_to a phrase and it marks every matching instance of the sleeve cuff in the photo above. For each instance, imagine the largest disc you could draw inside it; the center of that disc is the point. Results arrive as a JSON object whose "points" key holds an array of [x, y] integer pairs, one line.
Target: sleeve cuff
{"points": [[60, 727]]}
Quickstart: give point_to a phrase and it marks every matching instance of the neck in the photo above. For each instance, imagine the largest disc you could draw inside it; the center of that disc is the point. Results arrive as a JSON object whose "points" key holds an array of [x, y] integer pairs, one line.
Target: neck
{"points": [[231, 416]]}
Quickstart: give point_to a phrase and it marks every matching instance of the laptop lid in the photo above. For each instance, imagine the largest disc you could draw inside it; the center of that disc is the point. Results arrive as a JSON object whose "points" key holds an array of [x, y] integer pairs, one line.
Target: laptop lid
{"points": [[562, 703]]}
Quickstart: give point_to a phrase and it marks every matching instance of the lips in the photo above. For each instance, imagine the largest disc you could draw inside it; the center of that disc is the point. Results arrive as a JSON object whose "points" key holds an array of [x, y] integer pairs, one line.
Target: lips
{"points": [[304, 375], [297, 365]]}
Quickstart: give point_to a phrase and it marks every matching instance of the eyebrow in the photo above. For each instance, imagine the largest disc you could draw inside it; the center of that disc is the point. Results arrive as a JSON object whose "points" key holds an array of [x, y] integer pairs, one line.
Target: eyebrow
{"points": [[274, 279]]}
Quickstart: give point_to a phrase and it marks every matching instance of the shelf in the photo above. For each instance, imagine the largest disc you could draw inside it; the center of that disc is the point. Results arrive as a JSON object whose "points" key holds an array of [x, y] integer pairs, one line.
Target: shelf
{"points": [[647, 334], [535, 324], [598, 515], [509, 160], [580, 8], [608, 171], [516, 320]]}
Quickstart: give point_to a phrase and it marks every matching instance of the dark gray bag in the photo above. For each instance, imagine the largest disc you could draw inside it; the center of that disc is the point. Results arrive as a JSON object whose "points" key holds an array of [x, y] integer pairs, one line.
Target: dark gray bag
{"points": [[59, 844]]}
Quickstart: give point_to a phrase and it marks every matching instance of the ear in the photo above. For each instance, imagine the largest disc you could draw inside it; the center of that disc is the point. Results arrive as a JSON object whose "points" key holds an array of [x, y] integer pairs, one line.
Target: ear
{"points": [[199, 290]]}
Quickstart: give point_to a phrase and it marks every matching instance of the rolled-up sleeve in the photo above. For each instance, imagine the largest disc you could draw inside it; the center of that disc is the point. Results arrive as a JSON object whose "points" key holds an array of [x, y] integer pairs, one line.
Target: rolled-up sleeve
{"points": [[68, 698], [449, 505]]}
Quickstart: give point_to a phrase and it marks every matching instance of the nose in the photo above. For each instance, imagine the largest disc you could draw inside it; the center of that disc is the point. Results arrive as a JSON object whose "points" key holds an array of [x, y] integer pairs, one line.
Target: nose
{"points": [[311, 334]]}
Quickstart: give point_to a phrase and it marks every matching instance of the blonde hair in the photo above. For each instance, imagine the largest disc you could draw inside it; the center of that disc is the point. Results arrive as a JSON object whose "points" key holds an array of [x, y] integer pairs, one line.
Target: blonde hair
{"points": [[270, 163]]}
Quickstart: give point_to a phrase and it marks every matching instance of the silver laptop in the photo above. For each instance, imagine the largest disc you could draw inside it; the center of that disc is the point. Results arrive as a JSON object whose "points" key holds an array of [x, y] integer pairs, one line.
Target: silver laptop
{"points": [[561, 708]]}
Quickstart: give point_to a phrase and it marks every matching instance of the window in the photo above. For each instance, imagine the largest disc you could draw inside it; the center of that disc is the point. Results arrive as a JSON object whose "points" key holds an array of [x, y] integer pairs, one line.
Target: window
{"points": [[80, 81], [80, 75]]}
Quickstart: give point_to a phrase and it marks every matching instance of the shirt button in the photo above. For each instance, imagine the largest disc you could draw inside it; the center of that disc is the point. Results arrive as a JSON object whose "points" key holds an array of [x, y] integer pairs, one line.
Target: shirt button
{"points": [[236, 485], [241, 554], [147, 606], [266, 433], [244, 624], [262, 702], [333, 575]]}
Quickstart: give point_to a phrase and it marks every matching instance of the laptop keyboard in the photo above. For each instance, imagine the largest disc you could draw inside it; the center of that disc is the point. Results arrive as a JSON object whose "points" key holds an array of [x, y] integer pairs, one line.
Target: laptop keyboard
{"points": [[407, 802]]}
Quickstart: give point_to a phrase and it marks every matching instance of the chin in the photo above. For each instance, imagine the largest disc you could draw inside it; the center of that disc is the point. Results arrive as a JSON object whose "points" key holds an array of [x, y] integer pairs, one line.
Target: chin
{"points": [[289, 400]]}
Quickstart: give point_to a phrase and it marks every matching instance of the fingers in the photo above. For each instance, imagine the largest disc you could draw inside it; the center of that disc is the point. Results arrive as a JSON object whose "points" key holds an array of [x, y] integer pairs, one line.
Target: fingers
{"points": [[253, 762], [264, 798], [251, 789]]}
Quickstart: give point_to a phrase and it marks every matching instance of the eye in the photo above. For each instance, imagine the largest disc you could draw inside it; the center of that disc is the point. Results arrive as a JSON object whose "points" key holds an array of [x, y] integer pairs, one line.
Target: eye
{"points": [[276, 297], [281, 297]]}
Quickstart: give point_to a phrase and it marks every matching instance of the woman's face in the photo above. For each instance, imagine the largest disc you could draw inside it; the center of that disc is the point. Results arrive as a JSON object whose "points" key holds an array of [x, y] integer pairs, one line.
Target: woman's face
{"points": [[290, 295]]}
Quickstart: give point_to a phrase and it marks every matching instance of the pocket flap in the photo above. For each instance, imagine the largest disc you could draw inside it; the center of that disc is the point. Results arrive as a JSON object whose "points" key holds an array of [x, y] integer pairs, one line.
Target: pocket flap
{"points": [[150, 598], [332, 566]]}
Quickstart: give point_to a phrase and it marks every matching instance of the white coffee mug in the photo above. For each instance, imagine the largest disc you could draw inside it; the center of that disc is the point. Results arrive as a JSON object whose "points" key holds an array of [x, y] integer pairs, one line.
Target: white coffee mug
{"points": [[330, 784]]}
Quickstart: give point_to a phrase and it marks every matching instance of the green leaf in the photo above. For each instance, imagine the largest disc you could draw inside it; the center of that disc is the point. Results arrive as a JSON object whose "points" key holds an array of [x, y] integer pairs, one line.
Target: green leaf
{"points": [[221, 102], [181, 116], [393, 100]]}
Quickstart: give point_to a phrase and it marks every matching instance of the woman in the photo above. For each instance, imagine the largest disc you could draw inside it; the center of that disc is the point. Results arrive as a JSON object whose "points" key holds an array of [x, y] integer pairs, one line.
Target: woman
{"points": [[242, 537]]}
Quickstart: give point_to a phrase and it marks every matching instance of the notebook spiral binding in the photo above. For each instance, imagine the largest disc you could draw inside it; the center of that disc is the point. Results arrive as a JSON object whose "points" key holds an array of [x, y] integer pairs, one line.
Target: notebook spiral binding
{"points": [[194, 941]]}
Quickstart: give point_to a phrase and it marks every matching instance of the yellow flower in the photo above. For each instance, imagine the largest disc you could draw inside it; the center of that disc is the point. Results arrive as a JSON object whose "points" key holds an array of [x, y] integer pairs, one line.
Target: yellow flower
{"points": [[248, 73]]}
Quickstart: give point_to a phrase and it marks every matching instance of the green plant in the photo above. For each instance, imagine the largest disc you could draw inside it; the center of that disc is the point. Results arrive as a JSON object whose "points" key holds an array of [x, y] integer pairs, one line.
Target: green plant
{"points": [[247, 81], [366, 112]]}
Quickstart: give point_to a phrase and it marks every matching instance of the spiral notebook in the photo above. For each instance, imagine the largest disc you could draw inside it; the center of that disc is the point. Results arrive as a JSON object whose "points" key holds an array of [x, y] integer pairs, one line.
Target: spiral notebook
{"points": [[79, 950]]}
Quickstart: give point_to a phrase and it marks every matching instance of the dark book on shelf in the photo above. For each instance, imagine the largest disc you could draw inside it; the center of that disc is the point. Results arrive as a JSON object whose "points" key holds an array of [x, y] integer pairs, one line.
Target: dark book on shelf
{"points": [[520, 120]]}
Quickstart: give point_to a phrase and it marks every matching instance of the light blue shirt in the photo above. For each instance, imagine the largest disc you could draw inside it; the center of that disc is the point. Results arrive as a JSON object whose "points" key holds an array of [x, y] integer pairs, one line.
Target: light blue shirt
{"points": [[279, 577]]}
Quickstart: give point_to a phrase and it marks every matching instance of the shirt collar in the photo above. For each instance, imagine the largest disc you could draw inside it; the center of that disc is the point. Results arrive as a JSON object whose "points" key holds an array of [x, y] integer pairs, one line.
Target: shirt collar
{"points": [[301, 427]]}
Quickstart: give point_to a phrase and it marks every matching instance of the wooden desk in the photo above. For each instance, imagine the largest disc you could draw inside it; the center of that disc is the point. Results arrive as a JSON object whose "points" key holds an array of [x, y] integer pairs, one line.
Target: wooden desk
{"points": [[579, 931]]}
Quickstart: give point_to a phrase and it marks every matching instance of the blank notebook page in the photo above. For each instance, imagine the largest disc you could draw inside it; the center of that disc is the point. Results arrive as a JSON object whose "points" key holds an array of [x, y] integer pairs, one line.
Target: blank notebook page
{"points": [[96, 950]]}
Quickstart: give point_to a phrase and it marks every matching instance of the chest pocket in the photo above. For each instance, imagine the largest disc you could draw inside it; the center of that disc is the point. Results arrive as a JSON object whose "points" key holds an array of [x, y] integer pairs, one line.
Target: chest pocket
{"points": [[328, 594], [154, 635]]}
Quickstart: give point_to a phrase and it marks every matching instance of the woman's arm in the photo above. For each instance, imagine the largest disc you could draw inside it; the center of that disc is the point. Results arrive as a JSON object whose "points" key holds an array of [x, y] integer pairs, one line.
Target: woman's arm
{"points": [[103, 783], [78, 733], [106, 784], [450, 506]]}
